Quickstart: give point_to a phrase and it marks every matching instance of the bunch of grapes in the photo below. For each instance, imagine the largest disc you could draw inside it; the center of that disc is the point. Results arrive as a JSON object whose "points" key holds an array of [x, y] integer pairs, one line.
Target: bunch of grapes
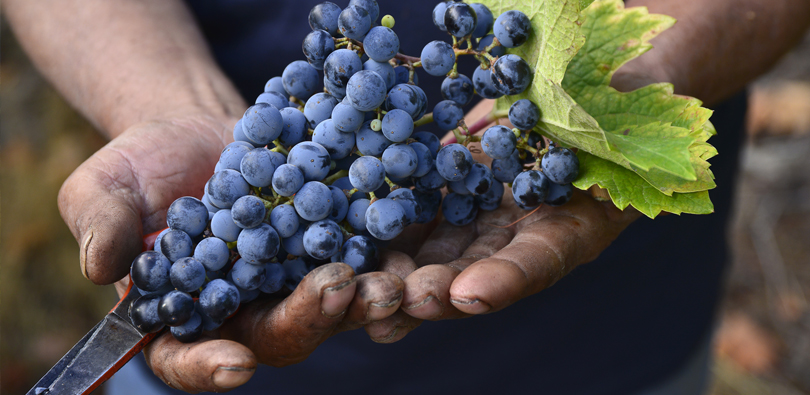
{"points": [[326, 166]]}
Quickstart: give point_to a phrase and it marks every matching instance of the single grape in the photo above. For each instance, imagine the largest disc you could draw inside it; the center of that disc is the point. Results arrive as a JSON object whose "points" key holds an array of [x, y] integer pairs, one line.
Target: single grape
{"points": [[447, 115], [210, 207], [480, 179], [429, 140], [225, 187], [324, 16], [258, 245], [346, 118], [399, 160], [425, 159], [274, 278], [222, 226], [361, 254], [405, 198], [189, 215], [397, 125], [491, 200], [438, 14], [294, 126], [438, 58], [338, 144], [559, 194], [239, 135], [530, 189], [381, 44], [245, 296], [384, 69], [430, 203], [459, 19], [208, 323], [498, 142], [524, 114], [459, 187], [231, 155], [150, 271], [334, 89], [505, 170], [356, 216], [212, 253], [275, 99], [248, 212], [248, 276], [295, 270], [257, 167], [354, 22], [483, 20], [275, 85], [459, 89], [219, 299], [189, 331], [176, 244], [487, 41], [317, 45], [484, 87], [323, 239], [340, 204], [143, 312], [406, 98], [454, 162], [313, 202], [511, 74], [385, 219], [287, 180], [284, 220], [366, 90], [294, 245], [175, 308], [388, 21], [560, 165], [300, 79], [370, 6], [187, 274], [319, 108], [430, 182], [512, 28], [367, 174], [458, 209], [423, 102], [370, 142], [312, 159]]}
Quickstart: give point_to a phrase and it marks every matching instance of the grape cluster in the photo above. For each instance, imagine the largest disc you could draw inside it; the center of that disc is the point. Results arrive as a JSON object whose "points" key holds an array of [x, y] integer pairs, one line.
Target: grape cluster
{"points": [[327, 166]]}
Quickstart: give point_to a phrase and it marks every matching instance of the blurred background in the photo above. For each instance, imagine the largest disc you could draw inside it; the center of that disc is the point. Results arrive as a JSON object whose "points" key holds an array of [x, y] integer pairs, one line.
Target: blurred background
{"points": [[762, 343]]}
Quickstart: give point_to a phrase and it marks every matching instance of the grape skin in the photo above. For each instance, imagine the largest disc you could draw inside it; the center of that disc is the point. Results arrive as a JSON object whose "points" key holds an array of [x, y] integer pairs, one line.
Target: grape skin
{"points": [[212, 253], [346, 118], [561, 165], [258, 245], [284, 220], [176, 244], [511, 75], [311, 158], [300, 79], [498, 142], [381, 44], [319, 108], [323, 239], [397, 125], [399, 160], [524, 114], [366, 90], [150, 271], [484, 85], [458, 209], [484, 20], [257, 167], [530, 189], [405, 198], [356, 215], [187, 274], [454, 162], [479, 180], [447, 114], [338, 144], [313, 202], [361, 254], [219, 299], [367, 174], [247, 276], [222, 226], [438, 58], [459, 89], [385, 219], [354, 22], [317, 45], [325, 16], [460, 19], [512, 28], [370, 142], [287, 180], [370, 6], [188, 214]]}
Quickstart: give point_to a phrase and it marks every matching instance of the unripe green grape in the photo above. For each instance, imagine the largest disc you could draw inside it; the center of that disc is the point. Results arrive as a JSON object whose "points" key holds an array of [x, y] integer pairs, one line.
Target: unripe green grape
{"points": [[388, 21], [376, 125]]}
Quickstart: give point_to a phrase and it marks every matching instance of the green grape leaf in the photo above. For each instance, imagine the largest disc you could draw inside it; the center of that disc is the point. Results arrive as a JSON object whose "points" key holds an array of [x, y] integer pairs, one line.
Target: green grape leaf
{"points": [[646, 147], [628, 188]]}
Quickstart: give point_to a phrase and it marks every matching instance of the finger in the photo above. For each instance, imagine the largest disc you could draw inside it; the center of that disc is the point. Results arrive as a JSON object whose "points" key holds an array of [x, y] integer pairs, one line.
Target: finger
{"points": [[446, 244], [377, 296], [205, 365], [397, 263], [427, 293], [103, 220], [488, 243], [393, 328], [549, 246], [413, 237], [286, 332]]}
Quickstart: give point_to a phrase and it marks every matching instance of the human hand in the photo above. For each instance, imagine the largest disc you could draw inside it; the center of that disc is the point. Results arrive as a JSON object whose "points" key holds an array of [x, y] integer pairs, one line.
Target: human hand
{"points": [[123, 192]]}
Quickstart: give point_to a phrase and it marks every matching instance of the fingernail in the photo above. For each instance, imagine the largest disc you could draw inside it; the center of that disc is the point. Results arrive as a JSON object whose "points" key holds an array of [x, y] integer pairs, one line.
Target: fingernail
{"points": [[428, 308], [388, 338], [380, 310], [335, 299], [231, 376], [474, 306], [83, 252]]}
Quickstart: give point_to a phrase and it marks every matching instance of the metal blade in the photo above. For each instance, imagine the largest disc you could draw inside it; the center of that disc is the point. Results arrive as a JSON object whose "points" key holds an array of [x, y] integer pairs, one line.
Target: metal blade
{"points": [[100, 353]]}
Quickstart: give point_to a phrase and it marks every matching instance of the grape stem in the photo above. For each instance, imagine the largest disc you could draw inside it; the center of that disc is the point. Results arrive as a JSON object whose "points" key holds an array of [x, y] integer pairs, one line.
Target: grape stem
{"points": [[391, 184], [426, 119], [334, 177], [279, 147], [481, 124], [407, 59]]}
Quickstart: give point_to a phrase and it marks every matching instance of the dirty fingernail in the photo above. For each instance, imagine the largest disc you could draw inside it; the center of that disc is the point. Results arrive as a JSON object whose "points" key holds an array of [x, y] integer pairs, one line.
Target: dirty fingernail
{"points": [[380, 310], [83, 252], [231, 376], [471, 306], [428, 308], [335, 299]]}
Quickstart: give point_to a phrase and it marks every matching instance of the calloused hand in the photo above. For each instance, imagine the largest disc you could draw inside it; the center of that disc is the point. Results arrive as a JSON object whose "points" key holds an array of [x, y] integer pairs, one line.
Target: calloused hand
{"points": [[123, 192]]}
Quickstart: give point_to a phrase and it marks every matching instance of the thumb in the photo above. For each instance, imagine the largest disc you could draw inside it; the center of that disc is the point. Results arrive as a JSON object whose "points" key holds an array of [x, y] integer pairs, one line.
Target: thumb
{"points": [[103, 217]]}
